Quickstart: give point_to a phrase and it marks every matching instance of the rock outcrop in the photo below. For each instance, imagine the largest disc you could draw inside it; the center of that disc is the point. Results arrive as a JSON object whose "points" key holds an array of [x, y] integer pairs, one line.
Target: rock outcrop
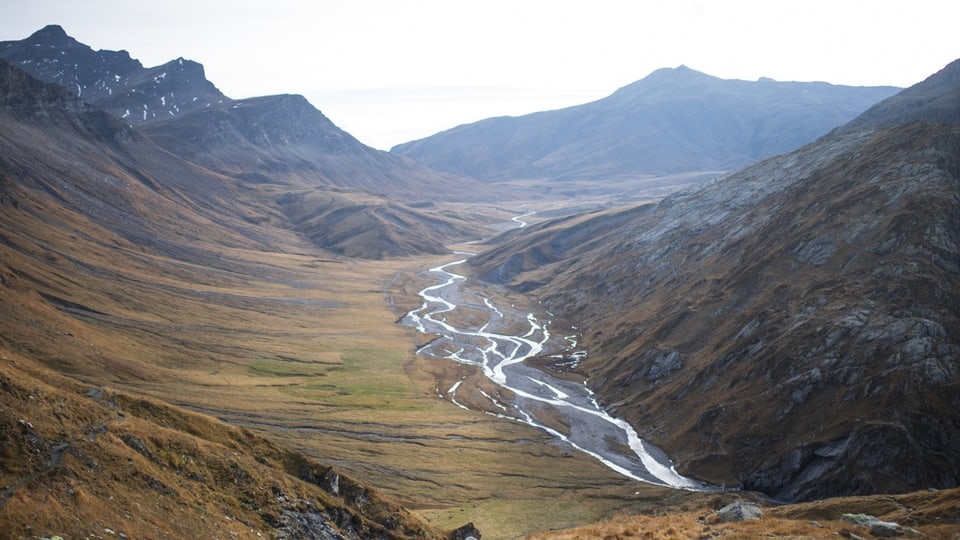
{"points": [[739, 511]]}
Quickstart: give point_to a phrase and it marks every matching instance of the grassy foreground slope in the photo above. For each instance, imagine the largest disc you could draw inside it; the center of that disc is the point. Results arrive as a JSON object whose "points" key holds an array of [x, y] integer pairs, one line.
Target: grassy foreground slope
{"points": [[924, 514], [83, 461]]}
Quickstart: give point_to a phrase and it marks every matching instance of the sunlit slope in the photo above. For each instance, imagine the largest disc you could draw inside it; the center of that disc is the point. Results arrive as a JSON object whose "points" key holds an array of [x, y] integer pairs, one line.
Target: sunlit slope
{"points": [[85, 459]]}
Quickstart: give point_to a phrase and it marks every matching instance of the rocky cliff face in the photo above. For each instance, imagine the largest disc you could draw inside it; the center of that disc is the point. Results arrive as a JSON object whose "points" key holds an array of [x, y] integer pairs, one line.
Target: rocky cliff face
{"points": [[792, 328], [112, 80], [24, 96]]}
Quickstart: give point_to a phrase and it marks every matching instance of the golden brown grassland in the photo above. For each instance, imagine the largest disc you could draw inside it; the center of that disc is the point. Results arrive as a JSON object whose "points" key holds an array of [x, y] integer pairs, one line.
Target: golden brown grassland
{"points": [[304, 349]]}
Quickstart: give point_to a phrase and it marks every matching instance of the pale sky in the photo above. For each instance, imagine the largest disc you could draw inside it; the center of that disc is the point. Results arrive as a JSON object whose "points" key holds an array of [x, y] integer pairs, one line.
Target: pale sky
{"points": [[390, 71]]}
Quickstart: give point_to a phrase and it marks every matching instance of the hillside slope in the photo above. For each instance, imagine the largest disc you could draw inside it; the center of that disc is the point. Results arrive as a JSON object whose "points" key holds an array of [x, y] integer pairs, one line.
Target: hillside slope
{"points": [[791, 328], [121, 264], [63, 159], [673, 121], [285, 140], [84, 460], [52, 136]]}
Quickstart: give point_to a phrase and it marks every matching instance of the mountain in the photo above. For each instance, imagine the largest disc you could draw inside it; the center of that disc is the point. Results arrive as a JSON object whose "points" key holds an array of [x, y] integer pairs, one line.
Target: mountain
{"points": [[285, 140], [272, 139], [112, 80], [672, 121], [792, 328], [63, 159]]}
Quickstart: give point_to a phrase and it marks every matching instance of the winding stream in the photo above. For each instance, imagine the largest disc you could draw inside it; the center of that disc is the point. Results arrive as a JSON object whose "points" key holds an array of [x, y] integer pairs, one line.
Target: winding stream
{"points": [[566, 410]]}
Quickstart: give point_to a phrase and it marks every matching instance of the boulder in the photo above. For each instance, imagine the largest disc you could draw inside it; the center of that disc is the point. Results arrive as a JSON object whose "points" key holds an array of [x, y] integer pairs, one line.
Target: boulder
{"points": [[466, 532], [877, 527], [739, 511]]}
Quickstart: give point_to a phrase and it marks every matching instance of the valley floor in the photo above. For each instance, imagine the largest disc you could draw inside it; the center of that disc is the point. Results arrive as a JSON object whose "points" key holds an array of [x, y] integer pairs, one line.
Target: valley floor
{"points": [[307, 352]]}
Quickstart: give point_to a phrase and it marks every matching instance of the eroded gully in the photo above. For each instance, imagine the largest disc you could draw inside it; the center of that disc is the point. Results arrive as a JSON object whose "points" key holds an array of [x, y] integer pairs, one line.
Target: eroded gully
{"points": [[571, 409]]}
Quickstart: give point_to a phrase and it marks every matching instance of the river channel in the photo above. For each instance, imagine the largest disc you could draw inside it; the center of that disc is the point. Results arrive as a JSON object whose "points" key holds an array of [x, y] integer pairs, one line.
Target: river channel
{"points": [[498, 349]]}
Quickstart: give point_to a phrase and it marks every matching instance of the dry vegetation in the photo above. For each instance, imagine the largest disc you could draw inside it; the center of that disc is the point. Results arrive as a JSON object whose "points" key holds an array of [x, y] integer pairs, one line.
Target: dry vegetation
{"points": [[134, 287], [294, 345], [747, 327], [929, 514], [86, 461], [302, 349]]}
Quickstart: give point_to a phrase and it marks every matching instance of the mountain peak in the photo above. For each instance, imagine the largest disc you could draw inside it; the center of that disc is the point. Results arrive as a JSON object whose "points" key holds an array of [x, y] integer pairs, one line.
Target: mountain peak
{"points": [[681, 72], [674, 120], [52, 35], [112, 80], [184, 67], [667, 80]]}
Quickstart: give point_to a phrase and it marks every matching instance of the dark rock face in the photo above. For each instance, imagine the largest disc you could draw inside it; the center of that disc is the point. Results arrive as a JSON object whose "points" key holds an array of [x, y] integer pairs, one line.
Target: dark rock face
{"points": [[111, 79], [23, 95], [867, 461], [674, 120], [25, 98], [792, 328], [466, 532]]}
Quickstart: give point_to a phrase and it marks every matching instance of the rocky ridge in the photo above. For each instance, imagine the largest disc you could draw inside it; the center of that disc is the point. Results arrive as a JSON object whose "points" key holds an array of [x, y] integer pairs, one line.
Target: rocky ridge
{"points": [[271, 139], [246, 159], [112, 80]]}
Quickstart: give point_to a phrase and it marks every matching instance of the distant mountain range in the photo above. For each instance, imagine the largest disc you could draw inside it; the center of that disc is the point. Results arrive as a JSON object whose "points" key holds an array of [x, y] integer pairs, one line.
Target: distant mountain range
{"points": [[273, 139], [792, 328], [674, 120]]}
